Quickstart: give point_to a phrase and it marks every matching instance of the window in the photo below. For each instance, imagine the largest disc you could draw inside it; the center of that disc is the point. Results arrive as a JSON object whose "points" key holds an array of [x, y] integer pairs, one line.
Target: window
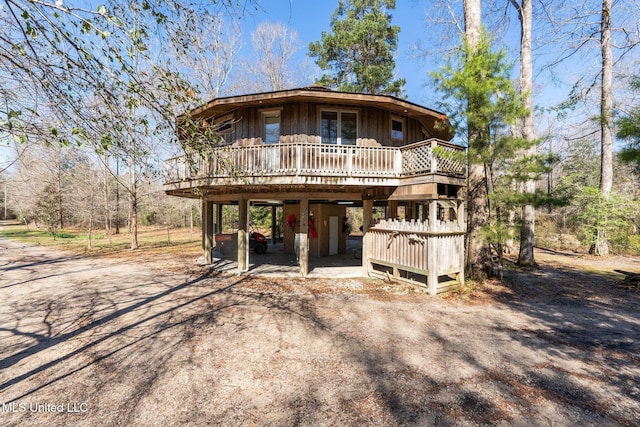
{"points": [[339, 127], [223, 127], [397, 130], [271, 122]]}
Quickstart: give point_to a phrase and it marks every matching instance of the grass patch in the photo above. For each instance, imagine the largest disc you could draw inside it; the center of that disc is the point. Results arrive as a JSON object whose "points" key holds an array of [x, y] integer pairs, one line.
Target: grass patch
{"points": [[151, 240]]}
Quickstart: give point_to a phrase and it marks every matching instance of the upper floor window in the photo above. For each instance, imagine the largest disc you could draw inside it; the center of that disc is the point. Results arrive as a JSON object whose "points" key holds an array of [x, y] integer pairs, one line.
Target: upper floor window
{"points": [[223, 127], [271, 127], [397, 130], [339, 127]]}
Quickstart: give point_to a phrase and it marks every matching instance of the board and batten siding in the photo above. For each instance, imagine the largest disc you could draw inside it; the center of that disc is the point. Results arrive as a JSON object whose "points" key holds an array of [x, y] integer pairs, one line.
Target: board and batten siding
{"points": [[302, 118]]}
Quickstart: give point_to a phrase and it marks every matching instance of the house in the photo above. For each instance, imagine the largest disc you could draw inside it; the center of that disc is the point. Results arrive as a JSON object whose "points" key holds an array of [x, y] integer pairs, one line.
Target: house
{"points": [[315, 151]]}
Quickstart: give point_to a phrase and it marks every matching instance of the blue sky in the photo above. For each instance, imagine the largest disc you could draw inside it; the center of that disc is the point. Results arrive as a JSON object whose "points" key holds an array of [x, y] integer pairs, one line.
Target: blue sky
{"points": [[309, 18]]}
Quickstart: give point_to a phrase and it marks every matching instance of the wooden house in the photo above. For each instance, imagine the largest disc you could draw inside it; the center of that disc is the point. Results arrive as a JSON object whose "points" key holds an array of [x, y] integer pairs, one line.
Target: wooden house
{"points": [[315, 151]]}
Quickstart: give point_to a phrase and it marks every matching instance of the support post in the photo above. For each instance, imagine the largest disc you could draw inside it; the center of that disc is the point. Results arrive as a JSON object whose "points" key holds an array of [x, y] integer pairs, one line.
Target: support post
{"points": [[433, 215], [461, 246], [461, 221], [304, 237], [274, 230], [218, 224], [367, 215], [432, 265], [392, 211], [243, 235], [207, 230], [432, 262]]}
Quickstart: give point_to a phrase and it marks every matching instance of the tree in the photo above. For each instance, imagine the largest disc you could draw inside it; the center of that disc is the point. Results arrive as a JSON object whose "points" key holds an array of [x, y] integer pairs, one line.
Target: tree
{"points": [[206, 47], [527, 230], [478, 254], [272, 65], [629, 129], [358, 52], [58, 60], [606, 119], [486, 105]]}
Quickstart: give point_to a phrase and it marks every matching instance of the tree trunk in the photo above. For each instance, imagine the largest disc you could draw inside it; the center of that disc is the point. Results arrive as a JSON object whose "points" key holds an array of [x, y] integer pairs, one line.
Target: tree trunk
{"points": [[527, 230], [59, 209], [472, 21], [606, 119], [133, 204], [107, 204], [478, 253]]}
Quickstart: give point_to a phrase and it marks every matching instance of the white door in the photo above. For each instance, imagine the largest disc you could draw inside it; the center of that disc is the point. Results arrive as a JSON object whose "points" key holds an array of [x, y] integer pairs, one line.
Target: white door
{"points": [[333, 235]]}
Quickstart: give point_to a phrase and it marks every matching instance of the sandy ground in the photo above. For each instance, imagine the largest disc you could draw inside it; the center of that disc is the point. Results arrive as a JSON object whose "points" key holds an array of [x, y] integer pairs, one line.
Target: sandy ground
{"points": [[87, 341]]}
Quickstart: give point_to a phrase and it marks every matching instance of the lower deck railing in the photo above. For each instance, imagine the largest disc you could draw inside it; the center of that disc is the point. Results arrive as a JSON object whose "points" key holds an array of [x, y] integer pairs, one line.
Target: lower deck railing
{"points": [[413, 253]]}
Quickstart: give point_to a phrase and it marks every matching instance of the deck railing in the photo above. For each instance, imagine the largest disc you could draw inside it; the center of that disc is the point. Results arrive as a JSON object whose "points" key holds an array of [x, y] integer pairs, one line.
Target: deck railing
{"points": [[320, 160], [417, 253]]}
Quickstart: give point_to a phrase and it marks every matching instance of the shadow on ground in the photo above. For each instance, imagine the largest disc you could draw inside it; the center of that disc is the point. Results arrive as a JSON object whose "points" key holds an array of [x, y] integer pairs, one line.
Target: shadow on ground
{"points": [[142, 346]]}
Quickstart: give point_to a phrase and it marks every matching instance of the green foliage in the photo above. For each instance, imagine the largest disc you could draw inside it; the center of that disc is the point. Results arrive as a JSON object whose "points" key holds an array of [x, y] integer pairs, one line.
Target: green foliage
{"points": [[485, 106], [602, 213], [359, 50], [484, 101], [629, 129], [63, 64], [48, 209]]}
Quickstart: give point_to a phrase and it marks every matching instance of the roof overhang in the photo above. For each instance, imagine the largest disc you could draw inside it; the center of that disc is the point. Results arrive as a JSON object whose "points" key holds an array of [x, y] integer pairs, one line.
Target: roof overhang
{"points": [[436, 122]]}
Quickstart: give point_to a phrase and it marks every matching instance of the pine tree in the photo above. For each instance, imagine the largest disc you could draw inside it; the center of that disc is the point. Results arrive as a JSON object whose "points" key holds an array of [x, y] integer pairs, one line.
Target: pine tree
{"points": [[629, 129], [358, 54], [485, 104]]}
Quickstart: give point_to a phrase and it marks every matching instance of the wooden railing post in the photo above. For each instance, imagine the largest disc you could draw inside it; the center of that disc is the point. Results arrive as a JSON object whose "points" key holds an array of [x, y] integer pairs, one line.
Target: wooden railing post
{"points": [[434, 158], [398, 161]]}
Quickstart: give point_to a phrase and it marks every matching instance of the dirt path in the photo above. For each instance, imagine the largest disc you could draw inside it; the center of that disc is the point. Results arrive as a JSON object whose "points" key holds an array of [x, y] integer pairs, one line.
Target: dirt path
{"points": [[129, 342]]}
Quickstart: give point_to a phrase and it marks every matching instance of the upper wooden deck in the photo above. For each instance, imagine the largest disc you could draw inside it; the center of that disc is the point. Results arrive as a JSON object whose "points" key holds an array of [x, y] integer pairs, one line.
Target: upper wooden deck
{"points": [[300, 163]]}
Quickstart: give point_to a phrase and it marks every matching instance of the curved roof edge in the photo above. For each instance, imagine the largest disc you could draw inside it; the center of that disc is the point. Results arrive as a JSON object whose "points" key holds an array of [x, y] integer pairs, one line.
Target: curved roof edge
{"points": [[397, 105]]}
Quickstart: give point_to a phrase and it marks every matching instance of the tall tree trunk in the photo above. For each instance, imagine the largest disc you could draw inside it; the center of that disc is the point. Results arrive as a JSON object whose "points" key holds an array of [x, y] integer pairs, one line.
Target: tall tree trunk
{"points": [[527, 230], [606, 119], [478, 253]]}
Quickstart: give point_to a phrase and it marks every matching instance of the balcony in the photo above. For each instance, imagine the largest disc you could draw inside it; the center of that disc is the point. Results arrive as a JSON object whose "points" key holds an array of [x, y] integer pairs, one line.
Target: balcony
{"points": [[301, 162]]}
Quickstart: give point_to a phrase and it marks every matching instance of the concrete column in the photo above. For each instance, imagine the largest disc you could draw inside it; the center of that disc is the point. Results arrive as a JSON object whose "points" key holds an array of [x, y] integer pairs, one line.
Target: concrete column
{"points": [[207, 230], [304, 237], [243, 235]]}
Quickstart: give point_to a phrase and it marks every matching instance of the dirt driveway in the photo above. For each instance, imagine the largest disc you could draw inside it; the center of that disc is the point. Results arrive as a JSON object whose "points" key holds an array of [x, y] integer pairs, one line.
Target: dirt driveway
{"points": [[87, 341]]}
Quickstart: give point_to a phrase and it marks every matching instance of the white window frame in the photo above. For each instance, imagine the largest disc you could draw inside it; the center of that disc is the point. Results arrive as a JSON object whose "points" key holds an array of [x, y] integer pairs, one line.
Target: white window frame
{"points": [[403, 122], [339, 112], [273, 112]]}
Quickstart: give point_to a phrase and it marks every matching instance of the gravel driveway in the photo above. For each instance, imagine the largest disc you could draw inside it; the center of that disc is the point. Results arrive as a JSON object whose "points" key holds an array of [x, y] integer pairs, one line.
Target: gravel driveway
{"points": [[89, 341]]}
